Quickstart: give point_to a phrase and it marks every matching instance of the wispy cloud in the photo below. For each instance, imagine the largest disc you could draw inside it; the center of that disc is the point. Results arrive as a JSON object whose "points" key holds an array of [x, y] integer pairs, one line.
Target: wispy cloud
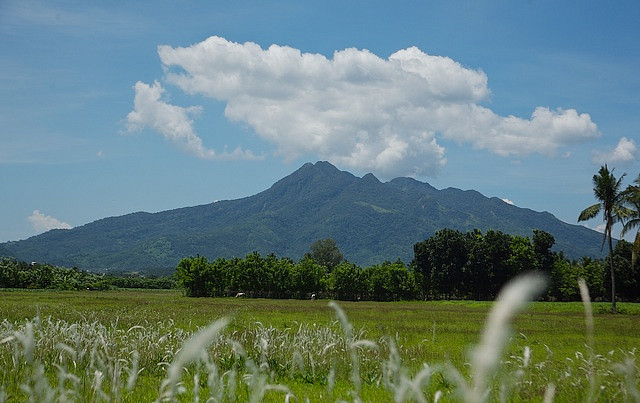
{"points": [[625, 152], [72, 18], [41, 222], [24, 147], [507, 201], [361, 110]]}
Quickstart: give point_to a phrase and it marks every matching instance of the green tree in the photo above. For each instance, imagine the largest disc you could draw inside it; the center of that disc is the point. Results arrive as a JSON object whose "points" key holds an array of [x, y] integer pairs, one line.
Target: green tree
{"points": [[490, 263], [441, 259], [219, 277], [565, 275], [542, 244], [253, 277], [9, 273], [564, 285], [192, 276], [41, 275], [595, 271], [308, 277], [607, 190], [498, 249], [281, 273], [523, 257], [379, 282], [348, 282], [627, 274], [325, 252], [632, 199], [391, 282]]}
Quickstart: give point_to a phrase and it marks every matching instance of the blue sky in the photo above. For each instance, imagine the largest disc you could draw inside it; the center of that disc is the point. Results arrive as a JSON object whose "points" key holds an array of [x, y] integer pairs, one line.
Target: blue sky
{"points": [[108, 108]]}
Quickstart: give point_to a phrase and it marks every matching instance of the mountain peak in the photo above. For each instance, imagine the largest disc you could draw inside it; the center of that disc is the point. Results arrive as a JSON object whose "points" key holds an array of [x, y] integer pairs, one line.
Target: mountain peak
{"points": [[326, 165], [370, 178], [321, 179], [310, 169]]}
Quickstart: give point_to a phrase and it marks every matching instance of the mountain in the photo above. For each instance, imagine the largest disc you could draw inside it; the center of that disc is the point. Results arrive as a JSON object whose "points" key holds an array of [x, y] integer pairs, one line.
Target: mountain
{"points": [[371, 221]]}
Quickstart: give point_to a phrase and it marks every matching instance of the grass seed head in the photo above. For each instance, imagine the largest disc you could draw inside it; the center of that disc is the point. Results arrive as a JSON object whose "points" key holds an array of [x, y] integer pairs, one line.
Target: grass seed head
{"points": [[496, 332]]}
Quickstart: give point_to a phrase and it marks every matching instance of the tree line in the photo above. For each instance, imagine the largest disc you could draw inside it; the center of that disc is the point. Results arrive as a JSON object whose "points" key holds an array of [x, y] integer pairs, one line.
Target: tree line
{"points": [[273, 277], [19, 274], [449, 265], [472, 265]]}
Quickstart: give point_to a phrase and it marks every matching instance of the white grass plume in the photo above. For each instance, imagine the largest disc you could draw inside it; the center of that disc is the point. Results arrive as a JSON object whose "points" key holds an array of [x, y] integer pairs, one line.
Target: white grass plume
{"points": [[549, 393], [486, 356], [190, 350], [588, 312], [28, 341], [352, 346], [133, 372], [629, 370], [342, 317]]}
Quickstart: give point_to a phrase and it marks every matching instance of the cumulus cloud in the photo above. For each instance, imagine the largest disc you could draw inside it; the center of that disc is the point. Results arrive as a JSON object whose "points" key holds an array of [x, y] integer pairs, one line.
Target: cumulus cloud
{"points": [[42, 223], [625, 152], [173, 122], [355, 109]]}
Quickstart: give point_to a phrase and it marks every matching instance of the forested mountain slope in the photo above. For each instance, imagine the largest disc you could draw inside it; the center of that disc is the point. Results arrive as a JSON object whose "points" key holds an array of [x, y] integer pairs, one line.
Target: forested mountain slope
{"points": [[370, 220]]}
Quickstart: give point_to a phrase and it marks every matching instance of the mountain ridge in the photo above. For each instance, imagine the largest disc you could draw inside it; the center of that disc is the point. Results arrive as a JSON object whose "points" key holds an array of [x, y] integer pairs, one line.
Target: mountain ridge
{"points": [[370, 220]]}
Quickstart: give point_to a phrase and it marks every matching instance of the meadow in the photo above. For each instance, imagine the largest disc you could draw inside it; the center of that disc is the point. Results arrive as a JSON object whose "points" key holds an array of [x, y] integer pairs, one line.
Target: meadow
{"points": [[160, 345]]}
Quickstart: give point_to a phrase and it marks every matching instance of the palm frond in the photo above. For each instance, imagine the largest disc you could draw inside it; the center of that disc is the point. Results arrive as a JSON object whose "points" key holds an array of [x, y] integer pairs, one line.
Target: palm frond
{"points": [[590, 212], [621, 213], [629, 225], [635, 250]]}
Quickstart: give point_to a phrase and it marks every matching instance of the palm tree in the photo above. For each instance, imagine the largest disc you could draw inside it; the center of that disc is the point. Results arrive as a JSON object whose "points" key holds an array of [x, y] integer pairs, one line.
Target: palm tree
{"points": [[611, 201], [632, 198]]}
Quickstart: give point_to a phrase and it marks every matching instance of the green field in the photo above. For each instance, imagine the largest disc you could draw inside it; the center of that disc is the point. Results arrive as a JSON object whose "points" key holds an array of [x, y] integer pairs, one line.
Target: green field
{"points": [[90, 344]]}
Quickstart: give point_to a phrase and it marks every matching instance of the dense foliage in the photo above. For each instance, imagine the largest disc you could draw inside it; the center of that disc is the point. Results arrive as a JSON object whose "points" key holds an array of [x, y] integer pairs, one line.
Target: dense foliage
{"points": [[273, 277], [472, 265], [17, 274], [448, 265]]}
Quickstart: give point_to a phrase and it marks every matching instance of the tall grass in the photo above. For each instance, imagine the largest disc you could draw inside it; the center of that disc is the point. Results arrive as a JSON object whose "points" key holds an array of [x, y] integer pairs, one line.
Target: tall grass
{"points": [[47, 359]]}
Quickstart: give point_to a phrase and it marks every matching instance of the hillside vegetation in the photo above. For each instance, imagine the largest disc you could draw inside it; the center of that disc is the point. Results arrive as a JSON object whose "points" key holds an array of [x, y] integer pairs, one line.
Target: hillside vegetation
{"points": [[448, 265], [372, 222]]}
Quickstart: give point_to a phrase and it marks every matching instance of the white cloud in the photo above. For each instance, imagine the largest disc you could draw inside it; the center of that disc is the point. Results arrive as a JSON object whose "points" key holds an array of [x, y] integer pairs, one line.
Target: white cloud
{"points": [[42, 223], [626, 151], [356, 109], [599, 228], [173, 122], [544, 133], [507, 201]]}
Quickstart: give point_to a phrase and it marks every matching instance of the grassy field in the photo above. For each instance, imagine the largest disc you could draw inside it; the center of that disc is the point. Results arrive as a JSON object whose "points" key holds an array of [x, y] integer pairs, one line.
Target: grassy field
{"points": [[121, 345]]}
